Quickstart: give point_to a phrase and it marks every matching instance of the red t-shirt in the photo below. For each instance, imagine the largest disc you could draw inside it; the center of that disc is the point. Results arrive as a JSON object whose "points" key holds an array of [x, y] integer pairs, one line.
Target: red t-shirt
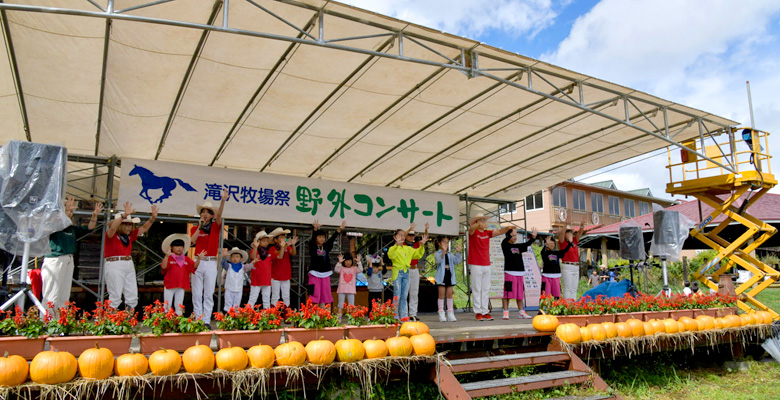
{"points": [[261, 275], [178, 276], [415, 245], [115, 247], [479, 247], [281, 270], [209, 242], [573, 255]]}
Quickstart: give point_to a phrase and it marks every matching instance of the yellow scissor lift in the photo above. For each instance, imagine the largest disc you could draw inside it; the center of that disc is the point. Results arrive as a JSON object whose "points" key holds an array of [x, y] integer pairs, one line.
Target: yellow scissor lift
{"points": [[729, 194]]}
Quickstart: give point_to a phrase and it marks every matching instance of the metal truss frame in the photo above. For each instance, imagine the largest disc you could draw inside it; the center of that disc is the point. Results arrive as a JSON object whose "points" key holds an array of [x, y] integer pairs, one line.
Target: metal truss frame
{"points": [[466, 62]]}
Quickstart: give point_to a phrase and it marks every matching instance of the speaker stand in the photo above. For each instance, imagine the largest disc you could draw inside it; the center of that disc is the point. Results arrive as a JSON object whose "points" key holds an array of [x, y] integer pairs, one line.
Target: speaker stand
{"points": [[666, 290], [23, 289]]}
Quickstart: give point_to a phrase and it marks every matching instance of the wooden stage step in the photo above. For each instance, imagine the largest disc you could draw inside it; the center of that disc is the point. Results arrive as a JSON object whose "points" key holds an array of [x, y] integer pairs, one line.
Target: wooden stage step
{"points": [[524, 383], [506, 361]]}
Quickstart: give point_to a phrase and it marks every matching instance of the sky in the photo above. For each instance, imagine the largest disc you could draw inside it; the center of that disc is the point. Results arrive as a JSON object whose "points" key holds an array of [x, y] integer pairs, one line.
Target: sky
{"points": [[698, 53]]}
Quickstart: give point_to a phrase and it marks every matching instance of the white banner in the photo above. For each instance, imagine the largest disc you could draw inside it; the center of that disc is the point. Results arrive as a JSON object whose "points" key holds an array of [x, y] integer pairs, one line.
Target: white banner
{"points": [[532, 280], [496, 266], [177, 188]]}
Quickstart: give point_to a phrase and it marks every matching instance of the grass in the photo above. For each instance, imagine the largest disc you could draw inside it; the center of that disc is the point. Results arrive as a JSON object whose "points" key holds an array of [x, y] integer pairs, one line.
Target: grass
{"points": [[771, 298]]}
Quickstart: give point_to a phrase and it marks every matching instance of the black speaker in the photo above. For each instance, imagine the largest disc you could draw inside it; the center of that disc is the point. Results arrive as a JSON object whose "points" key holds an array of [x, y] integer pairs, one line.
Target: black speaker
{"points": [[666, 227], [632, 246]]}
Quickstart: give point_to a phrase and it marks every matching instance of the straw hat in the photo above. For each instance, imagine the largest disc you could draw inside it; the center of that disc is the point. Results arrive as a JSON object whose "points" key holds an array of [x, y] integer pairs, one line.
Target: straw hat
{"points": [[476, 218], [166, 244], [206, 204], [236, 250], [261, 235], [129, 219], [278, 231]]}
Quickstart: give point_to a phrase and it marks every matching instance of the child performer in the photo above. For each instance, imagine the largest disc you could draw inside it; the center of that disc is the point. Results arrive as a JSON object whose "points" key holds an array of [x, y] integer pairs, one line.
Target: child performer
{"points": [[551, 271], [177, 268], [235, 271], [414, 274], [281, 252], [206, 237], [260, 277], [320, 269], [514, 270], [376, 274], [445, 276], [119, 271], [479, 263], [402, 256], [347, 268]]}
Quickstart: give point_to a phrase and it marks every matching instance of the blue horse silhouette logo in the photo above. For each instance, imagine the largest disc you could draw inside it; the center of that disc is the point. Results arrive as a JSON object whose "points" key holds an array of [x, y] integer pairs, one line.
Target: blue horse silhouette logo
{"points": [[150, 181]]}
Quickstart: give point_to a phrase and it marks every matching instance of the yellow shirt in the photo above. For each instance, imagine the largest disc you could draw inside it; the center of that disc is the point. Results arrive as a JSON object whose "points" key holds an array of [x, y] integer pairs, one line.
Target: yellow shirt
{"points": [[402, 257]]}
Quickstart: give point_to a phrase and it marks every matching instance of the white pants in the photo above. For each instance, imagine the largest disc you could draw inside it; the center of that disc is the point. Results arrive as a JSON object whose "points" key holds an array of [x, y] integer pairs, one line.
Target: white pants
{"points": [[284, 288], [350, 297], [56, 274], [570, 279], [174, 298], [120, 280], [480, 288], [232, 299], [204, 281], [414, 291], [254, 291]]}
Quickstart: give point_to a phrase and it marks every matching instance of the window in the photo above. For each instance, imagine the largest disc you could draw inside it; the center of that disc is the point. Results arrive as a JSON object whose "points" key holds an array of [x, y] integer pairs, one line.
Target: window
{"points": [[629, 204], [597, 202], [614, 205], [644, 208], [578, 199], [559, 196], [534, 201], [507, 208]]}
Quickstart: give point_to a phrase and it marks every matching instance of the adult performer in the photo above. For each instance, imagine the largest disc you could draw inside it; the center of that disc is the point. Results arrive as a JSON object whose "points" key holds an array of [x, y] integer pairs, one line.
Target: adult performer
{"points": [[414, 274], [57, 267], [570, 263], [479, 264], [206, 237]]}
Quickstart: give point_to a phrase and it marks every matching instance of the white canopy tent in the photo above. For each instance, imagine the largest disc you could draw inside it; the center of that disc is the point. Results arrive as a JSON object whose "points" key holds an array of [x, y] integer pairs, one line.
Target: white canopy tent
{"points": [[315, 88]]}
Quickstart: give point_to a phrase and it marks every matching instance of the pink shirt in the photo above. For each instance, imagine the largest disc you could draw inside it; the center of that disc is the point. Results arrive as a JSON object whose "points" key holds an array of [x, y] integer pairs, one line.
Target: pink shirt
{"points": [[347, 279]]}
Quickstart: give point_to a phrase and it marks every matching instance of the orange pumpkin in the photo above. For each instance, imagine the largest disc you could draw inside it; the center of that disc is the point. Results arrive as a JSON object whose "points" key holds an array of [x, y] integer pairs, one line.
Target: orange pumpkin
{"points": [[585, 333], [96, 363], [14, 370], [637, 327], [132, 364], [165, 362], [569, 333], [623, 330], [232, 358], [349, 350], [734, 321], [659, 326], [399, 346], [423, 344], [50, 367], [670, 326], [597, 332], [707, 321], [680, 327], [545, 323], [375, 348], [411, 328], [689, 324], [290, 354], [320, 352], [261, 356], [649, 328], [766, 317], [198, 359], [718, 323], [610, 328], [747, 319]]}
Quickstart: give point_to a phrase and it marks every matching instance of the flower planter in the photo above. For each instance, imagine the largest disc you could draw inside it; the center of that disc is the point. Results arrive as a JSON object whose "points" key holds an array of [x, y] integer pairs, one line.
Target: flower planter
{"points": [[623, 317], [712, 312], [677, 314], [648, 315], [118, 344], [307, 335], [247, 339], [21, 346], [724, 311], [367, 332], [597, 319], [581, 320], [173, 341]]}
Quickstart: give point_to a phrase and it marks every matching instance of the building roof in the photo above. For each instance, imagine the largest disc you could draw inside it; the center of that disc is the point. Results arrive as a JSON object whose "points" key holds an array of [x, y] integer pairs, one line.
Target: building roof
{"points": [[605, 184], [641, 192], [315, 88]]}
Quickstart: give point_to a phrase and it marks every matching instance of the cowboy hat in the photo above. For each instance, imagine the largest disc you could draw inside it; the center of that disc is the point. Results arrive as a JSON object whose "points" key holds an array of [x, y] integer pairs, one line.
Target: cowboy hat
{"points": [[129, 219], [166, 244], [261, 235], [477, 218], [278, 231], [411, 233], [236, 250], [206, 204]]}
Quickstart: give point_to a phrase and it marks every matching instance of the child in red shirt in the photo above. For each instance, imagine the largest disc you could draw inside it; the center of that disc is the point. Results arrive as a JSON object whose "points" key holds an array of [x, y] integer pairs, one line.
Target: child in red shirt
{"points": [[281, 251], [260, 277], [177, 268]]}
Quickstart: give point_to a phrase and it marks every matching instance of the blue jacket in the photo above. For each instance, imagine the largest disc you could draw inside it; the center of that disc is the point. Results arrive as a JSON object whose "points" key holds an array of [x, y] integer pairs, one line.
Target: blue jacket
{"points": [[455, 259]]}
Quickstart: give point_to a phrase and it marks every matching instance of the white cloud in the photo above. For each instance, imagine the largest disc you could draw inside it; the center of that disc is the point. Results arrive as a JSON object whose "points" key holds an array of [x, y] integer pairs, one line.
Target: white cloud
{"points": [[468, 17], [695, 53]]}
